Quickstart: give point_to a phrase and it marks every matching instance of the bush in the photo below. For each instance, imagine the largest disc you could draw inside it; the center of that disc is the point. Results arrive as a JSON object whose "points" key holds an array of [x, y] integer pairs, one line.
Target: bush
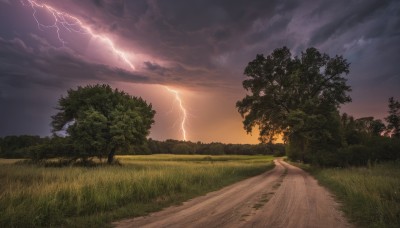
{"points": [[383, 148], [373, 149], [357, 155]]}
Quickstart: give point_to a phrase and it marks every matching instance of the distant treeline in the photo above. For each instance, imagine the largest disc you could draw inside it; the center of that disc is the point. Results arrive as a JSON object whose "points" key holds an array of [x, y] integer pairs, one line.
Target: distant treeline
{"points": [[215, 148], [36, 147], [366, 140]]}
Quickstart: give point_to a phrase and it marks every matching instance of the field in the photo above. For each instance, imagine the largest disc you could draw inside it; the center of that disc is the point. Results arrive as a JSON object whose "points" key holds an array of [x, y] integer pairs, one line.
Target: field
{"points": [[78, 196], [370, 196]]}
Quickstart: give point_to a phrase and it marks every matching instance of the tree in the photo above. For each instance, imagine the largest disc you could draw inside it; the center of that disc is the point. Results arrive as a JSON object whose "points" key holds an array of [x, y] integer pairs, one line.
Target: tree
{"points": [[297, 97], [370, 126], [102, 121], [393, 127], [89, 134], [351, 135], [356, 131]]}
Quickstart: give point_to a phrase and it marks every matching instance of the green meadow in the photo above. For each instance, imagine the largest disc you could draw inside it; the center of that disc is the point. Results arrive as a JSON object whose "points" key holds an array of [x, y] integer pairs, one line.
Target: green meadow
{"points": [[32, 195]]}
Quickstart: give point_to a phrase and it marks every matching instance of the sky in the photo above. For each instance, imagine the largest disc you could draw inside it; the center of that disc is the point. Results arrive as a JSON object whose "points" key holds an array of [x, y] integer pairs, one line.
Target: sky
{"points": [[197, 48]]}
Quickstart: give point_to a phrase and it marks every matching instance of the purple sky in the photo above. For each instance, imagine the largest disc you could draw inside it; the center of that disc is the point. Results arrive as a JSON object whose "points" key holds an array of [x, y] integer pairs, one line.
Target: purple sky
{"points": [[199, 48]]}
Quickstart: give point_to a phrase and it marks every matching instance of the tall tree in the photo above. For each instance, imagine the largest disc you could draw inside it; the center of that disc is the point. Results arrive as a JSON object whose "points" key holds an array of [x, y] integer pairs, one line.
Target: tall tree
{"points": [[101, 121], [393, 127], [297, 97]]}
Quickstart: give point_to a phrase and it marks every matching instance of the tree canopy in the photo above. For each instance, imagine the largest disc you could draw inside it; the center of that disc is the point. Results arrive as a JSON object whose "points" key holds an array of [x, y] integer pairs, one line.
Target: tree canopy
{"points": [[101, 121], [297, 97]]}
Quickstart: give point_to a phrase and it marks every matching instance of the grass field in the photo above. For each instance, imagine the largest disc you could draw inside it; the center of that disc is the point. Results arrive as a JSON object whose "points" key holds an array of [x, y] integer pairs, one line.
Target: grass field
{"points": [[78, 196], [370, 196]]}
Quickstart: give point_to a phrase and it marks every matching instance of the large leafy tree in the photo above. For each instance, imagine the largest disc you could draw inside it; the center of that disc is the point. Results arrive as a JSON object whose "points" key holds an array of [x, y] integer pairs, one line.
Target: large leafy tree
{"points": [[297, 97], [101, 121]]}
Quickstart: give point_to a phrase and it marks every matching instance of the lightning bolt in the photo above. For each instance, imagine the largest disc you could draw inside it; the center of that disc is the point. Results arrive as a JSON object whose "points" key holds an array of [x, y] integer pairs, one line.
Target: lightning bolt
{"points": [[73, 24], [183, 111]]}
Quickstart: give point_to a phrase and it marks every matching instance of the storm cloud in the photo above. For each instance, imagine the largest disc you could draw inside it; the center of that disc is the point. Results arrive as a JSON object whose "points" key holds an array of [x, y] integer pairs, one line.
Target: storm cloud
{"points": [[201, 46]]}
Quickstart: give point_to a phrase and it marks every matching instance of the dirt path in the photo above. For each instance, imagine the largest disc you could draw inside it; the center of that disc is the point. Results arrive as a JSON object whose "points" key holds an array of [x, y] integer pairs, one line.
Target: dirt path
{"points": [[283, 197]]}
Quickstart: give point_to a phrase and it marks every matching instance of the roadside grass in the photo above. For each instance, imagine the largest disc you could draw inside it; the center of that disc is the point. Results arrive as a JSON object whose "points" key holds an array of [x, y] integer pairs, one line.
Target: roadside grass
{"points": [[34, 196], [370, 196]]}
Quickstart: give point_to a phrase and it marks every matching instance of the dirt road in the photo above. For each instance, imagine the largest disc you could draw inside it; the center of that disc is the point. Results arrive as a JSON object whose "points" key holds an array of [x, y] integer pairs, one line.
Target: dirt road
{"points": [[283, 197]]}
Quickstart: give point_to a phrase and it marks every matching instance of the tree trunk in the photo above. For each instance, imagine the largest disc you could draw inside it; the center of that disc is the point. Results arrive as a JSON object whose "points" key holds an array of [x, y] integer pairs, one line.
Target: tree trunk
{"points": [[111, 156]]}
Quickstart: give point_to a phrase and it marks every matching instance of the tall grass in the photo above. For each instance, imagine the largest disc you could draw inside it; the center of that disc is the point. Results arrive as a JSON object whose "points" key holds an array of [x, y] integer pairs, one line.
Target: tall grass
{"points": [[370, 196], [77, 196]]}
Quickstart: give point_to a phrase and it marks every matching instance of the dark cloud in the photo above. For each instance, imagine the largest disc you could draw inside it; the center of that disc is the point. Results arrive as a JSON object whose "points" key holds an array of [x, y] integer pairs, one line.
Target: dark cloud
{"points": [[155, 67], [274, 25], [184, 31], [222, 34], [220, 37], [22, 66], [5, 1], [195, 33], [347, 18], [99, 3]]}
